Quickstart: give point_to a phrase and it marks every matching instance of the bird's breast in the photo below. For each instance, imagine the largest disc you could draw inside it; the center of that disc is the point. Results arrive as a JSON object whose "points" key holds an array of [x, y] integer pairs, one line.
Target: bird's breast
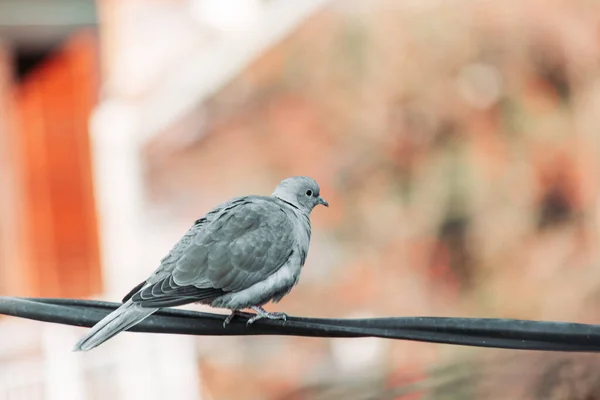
{"points": [[302, 231]]}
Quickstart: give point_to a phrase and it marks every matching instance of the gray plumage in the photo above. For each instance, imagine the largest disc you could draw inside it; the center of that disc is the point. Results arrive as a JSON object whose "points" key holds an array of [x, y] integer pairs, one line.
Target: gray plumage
{"points": [[242, 254]]}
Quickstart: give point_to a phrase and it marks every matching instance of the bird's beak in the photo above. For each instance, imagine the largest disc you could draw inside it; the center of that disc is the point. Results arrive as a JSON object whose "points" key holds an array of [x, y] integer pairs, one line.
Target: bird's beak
{"points": [[322, 201]]}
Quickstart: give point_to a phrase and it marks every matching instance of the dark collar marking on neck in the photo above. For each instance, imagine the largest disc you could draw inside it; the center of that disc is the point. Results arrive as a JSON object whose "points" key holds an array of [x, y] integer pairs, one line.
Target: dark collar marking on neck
{"points": [[288, 203]]}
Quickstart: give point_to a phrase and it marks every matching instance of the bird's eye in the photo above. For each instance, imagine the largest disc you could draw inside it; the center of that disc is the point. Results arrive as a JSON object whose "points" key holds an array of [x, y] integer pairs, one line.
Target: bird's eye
{"points": [[309, 193]]}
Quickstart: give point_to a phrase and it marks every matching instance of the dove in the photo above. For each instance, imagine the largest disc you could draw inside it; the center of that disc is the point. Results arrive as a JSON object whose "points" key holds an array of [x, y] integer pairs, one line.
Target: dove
{"points": [[241, 255]]}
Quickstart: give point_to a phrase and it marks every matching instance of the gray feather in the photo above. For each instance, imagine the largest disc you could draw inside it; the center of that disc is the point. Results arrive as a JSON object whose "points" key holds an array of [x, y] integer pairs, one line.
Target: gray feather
{"points": [[119, 320], [230, 251]]}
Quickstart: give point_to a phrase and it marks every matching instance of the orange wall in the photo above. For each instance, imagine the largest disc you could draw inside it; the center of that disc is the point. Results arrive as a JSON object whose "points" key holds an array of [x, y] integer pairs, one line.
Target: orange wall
{"points": [[57, 215]]}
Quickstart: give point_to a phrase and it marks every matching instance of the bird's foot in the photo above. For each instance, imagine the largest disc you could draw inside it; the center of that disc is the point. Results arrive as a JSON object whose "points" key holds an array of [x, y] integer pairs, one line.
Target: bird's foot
{"points": [[262, 313], [230, 317]]}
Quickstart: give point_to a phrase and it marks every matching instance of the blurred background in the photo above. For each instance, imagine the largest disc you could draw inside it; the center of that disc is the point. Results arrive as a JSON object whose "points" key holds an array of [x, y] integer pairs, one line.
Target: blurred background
{"points": [[457, 142]]}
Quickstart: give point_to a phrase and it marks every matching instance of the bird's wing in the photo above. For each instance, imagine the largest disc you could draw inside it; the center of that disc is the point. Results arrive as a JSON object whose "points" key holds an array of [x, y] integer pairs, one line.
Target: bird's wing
{"points": [[241, 245], [168, 263]]}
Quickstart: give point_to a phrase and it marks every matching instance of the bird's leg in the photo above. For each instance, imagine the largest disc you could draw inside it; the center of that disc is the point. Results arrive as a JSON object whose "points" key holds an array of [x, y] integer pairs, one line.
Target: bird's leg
{"points": [[262, 313], [230, 317]]}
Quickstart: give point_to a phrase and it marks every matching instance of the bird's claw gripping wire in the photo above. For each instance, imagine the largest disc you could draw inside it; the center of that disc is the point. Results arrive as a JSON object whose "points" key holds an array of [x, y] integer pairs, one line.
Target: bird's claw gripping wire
{"points": [[260, 314], [230, 317]]}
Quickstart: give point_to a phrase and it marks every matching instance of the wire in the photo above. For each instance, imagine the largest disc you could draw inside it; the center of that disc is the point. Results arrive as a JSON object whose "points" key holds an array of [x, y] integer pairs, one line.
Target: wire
{"points": [[479, 332]]}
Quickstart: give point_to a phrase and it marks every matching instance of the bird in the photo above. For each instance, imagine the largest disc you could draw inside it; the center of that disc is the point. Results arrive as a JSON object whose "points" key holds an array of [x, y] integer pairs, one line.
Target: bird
{"points": [[240, 255]]}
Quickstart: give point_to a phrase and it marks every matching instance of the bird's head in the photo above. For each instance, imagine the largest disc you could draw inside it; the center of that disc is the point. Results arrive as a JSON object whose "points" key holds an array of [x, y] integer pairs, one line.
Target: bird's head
{"points": [[301, 191]]}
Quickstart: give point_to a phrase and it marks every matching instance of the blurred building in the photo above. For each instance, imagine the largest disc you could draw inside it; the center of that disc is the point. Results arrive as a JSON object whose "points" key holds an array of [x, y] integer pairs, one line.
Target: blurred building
{"points": [[456, 143], [84, 88]]}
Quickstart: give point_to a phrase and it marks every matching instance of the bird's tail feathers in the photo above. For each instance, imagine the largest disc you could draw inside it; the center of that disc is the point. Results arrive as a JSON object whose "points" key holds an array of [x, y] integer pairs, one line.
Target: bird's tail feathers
{"points": [[124, 317]]}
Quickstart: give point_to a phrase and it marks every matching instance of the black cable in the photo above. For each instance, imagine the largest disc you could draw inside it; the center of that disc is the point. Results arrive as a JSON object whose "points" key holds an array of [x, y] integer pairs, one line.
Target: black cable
{"points": [[480, 332]]}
